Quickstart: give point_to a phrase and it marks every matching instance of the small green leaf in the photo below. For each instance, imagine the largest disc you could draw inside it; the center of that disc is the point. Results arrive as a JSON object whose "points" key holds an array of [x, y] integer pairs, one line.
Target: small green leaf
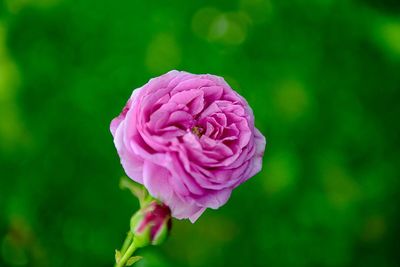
{"points": [[133, 259], [118, 255]]}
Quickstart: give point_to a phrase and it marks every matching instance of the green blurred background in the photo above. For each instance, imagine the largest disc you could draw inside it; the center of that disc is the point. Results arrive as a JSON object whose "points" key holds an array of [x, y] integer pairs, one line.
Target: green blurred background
{"points": [[322, 76]]}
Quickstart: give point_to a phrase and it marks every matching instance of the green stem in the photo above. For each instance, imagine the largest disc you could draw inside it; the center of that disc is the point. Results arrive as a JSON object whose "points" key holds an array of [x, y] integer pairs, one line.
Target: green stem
{"points": [[127, 241], [128, 253]]}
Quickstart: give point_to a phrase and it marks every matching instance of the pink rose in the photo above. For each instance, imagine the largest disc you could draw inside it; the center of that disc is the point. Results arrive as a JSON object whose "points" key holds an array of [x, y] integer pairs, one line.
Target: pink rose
{"points": [[189, 139]]}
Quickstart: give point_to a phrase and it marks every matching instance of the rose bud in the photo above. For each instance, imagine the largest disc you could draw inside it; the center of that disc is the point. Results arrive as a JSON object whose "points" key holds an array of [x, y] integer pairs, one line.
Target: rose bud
{"points": [[151, 224]]}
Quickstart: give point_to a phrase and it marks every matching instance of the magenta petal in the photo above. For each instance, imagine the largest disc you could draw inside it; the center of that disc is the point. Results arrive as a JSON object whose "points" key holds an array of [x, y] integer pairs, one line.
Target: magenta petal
{"points": [[260, 143], [192, 82], [212, 93], [192, 99], [214, 199], [132, 163], [193, 218], [155, 179]]}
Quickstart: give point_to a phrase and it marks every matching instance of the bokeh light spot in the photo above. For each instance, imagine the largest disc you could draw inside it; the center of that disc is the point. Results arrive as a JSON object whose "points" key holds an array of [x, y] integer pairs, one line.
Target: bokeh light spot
{"points": [[11, 126], [388, 36], [229, 28], [374, 228], [259, 10], [282, 169], [341, 189], [163, 54], [202, 21], [292, 99], [14, 6]]}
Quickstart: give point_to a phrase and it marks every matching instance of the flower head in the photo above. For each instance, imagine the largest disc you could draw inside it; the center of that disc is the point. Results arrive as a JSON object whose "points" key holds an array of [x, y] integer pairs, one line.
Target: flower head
{"points": [[189, 139]]}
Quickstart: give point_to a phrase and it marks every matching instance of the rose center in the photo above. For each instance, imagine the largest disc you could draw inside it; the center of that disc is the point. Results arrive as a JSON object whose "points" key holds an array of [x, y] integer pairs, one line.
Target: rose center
{"points": [[197, 131]]}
